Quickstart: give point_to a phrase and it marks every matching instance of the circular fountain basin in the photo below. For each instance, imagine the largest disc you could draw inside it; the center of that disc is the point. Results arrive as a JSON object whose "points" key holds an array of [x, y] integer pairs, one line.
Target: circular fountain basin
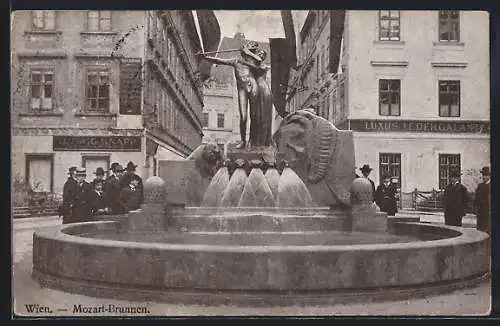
{"points": [[103, 259]]}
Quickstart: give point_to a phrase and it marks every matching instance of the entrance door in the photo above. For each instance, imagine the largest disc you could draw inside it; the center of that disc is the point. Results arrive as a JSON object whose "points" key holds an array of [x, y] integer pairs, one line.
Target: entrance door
{"points": [[39, 172], [91, 163], [390, 163]]}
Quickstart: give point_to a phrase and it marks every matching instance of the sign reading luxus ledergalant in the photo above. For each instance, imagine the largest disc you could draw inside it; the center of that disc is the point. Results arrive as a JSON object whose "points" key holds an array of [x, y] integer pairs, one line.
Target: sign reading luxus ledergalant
{"points": [[460, 127], [97, 143]]}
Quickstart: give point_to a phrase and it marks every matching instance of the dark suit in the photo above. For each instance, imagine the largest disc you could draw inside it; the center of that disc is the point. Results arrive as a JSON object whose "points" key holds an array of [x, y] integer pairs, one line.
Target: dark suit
{"points": [[70, 191], [385, 197], [454, 201], [482, 203], [125, 182], [97, 201], [112, 189], [82, 210], [130, 198]]}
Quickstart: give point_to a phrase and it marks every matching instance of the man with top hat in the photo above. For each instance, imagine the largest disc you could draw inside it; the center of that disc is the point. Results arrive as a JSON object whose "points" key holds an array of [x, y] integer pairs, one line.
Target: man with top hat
{"points": [[98, 198], [70, 190], [82, 209], [128, 175], [482, 202], [455, 200], [112, 189], [365, 170]]}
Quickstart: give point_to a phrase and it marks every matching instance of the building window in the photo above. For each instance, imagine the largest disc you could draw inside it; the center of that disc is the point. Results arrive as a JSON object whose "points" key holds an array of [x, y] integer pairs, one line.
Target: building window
{"points": [[99, 21], [389, 97], [447, 163], [220, 120], [98, 91], [389, 25], [390, 163], [44, 20], [204, 119], [449, 25], [92, 162], [40, 172], [449, 98], [42, 88]]}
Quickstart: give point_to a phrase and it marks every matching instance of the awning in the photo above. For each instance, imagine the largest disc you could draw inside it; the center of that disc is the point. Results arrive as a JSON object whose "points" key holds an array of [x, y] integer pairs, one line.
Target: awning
{"points": [[210, 36], [337, 18]]}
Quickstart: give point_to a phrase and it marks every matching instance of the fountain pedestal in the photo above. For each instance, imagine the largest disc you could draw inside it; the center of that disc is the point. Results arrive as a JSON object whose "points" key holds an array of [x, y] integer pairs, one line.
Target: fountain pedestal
{"points": [[151, 216]]}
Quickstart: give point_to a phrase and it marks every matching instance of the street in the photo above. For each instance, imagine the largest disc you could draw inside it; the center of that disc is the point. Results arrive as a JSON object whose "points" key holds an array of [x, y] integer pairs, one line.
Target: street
{"points": [[465, 302]]}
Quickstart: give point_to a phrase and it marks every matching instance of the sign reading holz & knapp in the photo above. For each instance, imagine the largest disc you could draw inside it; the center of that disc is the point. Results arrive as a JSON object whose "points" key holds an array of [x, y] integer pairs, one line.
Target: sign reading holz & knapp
{"points": [[465, 127], [97, 143]]}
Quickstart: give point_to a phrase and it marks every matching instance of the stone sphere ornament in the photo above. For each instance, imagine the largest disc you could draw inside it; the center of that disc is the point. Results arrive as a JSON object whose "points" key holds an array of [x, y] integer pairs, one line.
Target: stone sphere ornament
{"points": [[154, 190], [361, 192]]}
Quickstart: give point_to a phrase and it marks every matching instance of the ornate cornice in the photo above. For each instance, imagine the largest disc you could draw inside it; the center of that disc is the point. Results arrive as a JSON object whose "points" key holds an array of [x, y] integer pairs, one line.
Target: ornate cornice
{"points": [[56, 131]]}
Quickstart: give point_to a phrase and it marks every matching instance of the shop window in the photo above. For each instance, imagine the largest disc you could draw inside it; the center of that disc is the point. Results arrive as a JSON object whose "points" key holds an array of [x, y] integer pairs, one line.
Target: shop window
{"points": [[389, 24], [220, 120], [92, 162], [99, 21], [390, 163], [44, 20], [42, 89], [389, 97], [447, 163], [449, 98], [449, 26], [40, 172], [98, 91]]}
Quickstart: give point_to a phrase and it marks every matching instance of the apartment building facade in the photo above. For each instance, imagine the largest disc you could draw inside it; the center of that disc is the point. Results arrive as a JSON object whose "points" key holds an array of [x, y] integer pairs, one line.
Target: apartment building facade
{"points": [[413, 86], [94, 87]]}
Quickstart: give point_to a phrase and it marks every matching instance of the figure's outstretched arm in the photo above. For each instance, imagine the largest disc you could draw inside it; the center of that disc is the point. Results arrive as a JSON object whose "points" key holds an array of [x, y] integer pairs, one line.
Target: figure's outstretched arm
{"points": [[226, 62], [250, 53], [251, 65]]}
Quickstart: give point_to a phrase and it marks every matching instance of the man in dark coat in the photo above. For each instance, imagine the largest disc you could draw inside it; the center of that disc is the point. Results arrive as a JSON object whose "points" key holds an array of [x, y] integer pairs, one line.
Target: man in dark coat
{"points": [[82, 210], [385, 196], [128, 175], [455, 200], [130, 196], [70, 190], [366, 169], [99, 175], [482, 202], [112, 189]]}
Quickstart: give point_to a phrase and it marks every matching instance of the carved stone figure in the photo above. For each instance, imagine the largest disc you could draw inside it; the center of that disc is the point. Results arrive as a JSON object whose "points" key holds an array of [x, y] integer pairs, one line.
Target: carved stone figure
{"points": [[320, 154]]}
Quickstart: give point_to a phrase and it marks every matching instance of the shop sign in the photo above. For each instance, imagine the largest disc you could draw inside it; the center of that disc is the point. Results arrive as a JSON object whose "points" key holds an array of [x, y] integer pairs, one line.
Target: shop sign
{"points": [[450, 127], [97, 143]]}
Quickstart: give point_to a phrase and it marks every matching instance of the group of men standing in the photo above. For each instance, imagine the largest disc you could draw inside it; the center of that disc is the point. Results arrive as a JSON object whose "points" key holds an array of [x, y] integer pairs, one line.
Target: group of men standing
{"points": [[119, 193], [455, 198]]}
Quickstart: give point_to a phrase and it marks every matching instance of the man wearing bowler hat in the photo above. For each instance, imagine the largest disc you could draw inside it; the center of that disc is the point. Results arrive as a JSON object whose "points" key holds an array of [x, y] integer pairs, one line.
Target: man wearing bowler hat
{"points": [[98, 199], [365, 170], [482, 202], [82, 209], [112, 189], [128, 175], [454, 200], [70, 190]]}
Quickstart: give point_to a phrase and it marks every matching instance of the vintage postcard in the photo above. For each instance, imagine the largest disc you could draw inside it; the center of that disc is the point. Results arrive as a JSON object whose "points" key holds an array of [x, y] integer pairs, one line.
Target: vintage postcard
{"points": [[250, 163]]}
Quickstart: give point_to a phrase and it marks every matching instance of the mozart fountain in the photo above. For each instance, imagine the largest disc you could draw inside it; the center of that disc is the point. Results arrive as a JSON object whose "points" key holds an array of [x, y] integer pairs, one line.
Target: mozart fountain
{"points": [[281, 225]]}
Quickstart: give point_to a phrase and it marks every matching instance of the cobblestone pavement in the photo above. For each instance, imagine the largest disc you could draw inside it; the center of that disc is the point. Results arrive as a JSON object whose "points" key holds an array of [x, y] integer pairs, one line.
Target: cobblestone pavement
{"points": [[465, 302]]}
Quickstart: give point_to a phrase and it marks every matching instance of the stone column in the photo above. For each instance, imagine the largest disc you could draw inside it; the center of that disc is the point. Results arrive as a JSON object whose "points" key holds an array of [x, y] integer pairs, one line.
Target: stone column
{"points": [[364, 213], [151, 216]]}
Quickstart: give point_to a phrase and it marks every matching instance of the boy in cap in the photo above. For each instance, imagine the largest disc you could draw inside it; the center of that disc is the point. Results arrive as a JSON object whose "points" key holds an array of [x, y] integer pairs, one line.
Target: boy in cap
{"points": [[455, 200], [98, 198], [70, 190], [130, 196], [482, 202], [112, 189], [365, 170]]}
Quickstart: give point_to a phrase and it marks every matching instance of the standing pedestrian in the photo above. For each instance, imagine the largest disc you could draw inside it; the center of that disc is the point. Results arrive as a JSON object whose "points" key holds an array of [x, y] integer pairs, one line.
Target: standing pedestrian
{"points": [[386, 196], [112, 189], [98, 198], [99, 175], [482, 202], [82, 210], [128, 175], [70, 191], [366, 170], [130, 195], [455, 200]]}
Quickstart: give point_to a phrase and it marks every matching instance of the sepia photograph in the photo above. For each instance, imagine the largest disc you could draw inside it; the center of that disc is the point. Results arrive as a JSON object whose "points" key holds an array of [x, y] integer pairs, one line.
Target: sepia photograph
{"points": [[250, 163]]}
